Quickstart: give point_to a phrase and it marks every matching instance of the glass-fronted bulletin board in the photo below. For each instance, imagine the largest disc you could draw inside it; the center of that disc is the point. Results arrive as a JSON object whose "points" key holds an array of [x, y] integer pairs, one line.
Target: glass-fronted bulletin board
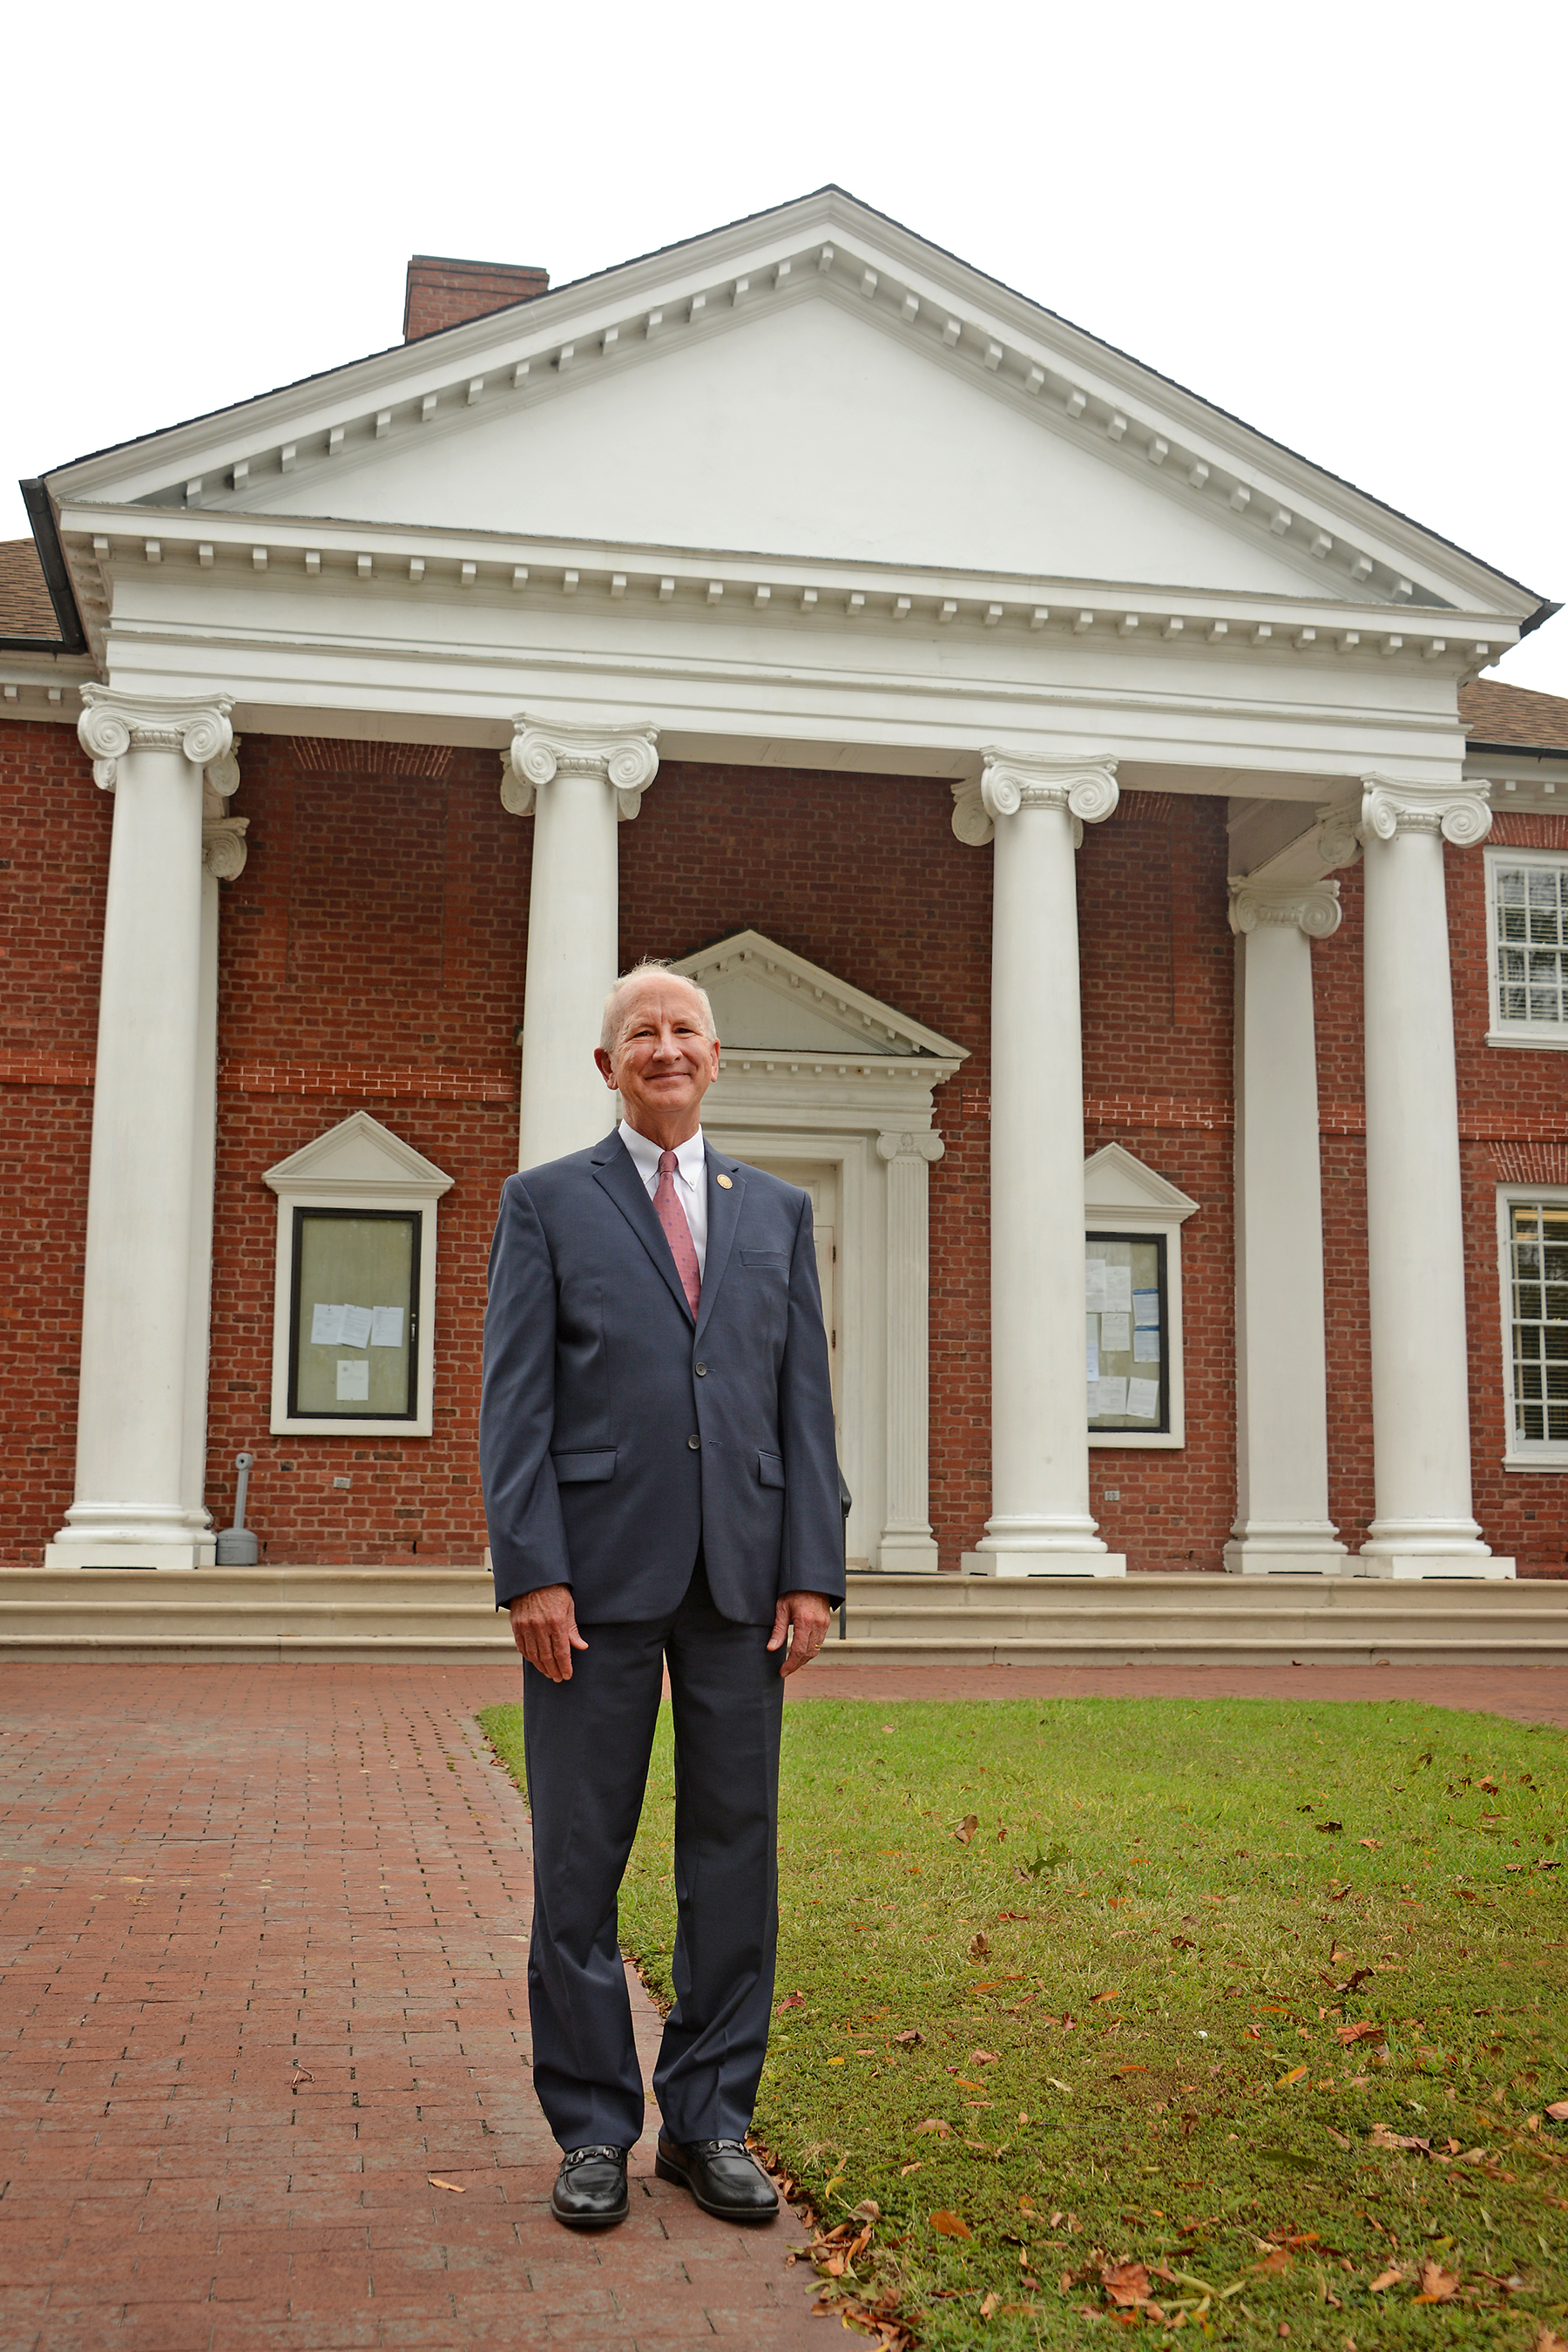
{"points": [[355, 1314], [1128, 1318]]}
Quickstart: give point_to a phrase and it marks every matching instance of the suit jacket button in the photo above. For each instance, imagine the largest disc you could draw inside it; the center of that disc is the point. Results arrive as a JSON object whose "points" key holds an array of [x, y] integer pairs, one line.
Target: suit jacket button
{"points": [[694, 1442], [701, 1371]]}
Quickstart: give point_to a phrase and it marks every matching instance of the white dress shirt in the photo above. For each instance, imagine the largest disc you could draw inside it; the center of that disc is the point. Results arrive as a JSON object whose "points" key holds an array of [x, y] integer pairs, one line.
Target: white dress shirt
{"points": [[690, 1181]]}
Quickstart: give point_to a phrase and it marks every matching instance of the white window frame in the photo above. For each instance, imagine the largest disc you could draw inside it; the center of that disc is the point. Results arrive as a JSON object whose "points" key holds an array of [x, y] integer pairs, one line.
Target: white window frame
{"points": [[358, 1164], [1522, 1452], [1121, 1196], [1552, 1036]]}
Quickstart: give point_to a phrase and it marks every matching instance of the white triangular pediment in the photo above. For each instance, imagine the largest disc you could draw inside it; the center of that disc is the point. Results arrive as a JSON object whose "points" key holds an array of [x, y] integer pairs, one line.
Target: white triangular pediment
{"points": [[816, 383], [358, 1155], [766, 999], [1120, 1191]]}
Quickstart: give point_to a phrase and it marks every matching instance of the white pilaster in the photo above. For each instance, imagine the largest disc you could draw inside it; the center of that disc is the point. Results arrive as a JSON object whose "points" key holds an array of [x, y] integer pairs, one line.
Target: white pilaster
{"points": [[1282, 1525], [1420, 1386], [133, 1504], [1036, 808], [579, 783], [907, 1546]]}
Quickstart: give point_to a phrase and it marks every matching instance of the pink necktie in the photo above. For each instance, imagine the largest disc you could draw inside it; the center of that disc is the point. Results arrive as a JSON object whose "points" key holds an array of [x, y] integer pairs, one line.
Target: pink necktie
{"points": [[667, 1208]]}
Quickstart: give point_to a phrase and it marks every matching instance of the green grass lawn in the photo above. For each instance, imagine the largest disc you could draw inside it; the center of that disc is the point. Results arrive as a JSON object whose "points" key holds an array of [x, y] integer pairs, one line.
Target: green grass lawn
{"points": [[1268, 1998]]}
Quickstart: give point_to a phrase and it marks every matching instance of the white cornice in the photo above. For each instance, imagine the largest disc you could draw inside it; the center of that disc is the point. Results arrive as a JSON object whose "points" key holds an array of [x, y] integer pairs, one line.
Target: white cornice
{"points": [[827, 245]]}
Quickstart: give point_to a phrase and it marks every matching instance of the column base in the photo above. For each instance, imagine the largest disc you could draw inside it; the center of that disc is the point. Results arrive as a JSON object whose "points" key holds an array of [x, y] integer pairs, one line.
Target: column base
{"points": [[1308, 1549], [1414, 1561], [901, 1553], [99, 1552], [1044, 1563]]}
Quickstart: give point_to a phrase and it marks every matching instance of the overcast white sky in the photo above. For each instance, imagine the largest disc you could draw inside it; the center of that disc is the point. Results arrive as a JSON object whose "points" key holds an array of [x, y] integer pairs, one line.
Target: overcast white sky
{"points": [[1344, 223]]}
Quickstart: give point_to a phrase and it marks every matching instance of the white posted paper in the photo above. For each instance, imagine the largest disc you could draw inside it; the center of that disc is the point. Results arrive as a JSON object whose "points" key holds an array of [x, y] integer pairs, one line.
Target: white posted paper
{"points": [[386, 1327], [1146, 1345], [1143, 1398], [1094, 1283], [353, 1379], [1116, 1334], [1119, 1288], [357, 1321], [1112, 1396], [1093, 1363], [1146, 1308], [326, 1325]]}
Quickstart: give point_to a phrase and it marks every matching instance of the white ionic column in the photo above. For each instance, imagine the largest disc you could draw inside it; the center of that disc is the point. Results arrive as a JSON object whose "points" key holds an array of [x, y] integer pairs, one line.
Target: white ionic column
{"points": [[907, 1546], [579, 783], [133, 1506], [223, 860], [1039, 1523], [1282, 1524], [1416, 1253]]}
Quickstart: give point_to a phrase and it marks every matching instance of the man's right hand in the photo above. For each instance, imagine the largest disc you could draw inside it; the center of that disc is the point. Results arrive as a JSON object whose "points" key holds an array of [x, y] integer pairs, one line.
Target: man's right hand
{"points": [[544, 1627]]}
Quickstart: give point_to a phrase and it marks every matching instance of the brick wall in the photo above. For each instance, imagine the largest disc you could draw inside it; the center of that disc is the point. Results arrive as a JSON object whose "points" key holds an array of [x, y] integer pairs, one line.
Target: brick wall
{"points": [[443, 293], [373, 956]]}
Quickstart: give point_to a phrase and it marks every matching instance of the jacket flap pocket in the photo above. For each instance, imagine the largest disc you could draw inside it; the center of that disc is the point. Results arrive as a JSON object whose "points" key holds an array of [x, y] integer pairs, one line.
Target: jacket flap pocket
{"points": [[770, 1469], [766, 1257], [576, 1469]]}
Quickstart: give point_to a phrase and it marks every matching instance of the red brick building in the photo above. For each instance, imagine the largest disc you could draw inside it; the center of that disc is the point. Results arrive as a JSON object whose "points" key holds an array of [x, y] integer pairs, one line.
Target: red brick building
{"points": [[1043, 771]]}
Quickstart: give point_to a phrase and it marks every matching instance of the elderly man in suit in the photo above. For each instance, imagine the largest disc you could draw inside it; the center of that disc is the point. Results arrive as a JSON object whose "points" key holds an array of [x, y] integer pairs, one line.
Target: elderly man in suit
{"points": [[661, 1485]]}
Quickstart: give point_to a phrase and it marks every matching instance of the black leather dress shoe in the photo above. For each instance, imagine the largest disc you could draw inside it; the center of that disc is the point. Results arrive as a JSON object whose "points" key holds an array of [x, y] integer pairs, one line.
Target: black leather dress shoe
{"points": [[720, 2176], [590, 2191]]}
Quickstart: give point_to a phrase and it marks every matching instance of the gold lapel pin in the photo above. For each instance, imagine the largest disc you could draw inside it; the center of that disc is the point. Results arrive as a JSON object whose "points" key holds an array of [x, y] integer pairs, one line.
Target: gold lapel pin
{"points": [[726, 1181]]}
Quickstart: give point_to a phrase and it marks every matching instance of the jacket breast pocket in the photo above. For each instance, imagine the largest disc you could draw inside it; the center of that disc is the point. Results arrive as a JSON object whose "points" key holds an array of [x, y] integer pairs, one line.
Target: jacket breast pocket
{"points": [[579, 1469], [773, 1261], [771, 1469]]}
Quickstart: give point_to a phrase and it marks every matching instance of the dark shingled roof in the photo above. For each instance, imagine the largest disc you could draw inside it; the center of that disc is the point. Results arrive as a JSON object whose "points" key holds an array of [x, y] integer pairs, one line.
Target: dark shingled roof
{"points": [[25, 610], [1494, 713]]}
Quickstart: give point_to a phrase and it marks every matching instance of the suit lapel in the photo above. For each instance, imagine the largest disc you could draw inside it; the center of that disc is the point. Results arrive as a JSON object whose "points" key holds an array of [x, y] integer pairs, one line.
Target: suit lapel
{"points": [[723, 1215], [615, 1169]]}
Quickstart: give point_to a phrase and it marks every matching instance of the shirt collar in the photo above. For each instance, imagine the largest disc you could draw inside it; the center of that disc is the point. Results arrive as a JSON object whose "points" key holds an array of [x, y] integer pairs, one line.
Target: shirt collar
{"points": [[690, 1157]]}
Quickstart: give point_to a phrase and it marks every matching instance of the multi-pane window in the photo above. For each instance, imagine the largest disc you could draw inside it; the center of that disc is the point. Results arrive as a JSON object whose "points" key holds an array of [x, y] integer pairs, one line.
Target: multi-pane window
{"points": [[1529, 929], [1535, 1281]]}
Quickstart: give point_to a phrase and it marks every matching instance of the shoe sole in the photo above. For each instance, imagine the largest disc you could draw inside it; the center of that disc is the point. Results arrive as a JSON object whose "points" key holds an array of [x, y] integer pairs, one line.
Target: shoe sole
{"points": [[665, 2171]]}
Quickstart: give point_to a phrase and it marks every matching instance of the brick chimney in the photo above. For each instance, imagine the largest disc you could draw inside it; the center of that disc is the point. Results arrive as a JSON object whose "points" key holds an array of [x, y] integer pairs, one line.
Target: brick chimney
{"points": [[443, 293]]}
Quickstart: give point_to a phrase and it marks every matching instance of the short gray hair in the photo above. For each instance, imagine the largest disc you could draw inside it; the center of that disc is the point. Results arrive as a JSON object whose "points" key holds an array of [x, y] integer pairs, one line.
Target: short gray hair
{"points": [[650, 968]]}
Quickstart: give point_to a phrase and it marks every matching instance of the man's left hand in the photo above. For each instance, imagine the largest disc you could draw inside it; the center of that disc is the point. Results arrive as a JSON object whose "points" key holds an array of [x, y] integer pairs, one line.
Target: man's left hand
{"points": [[803, 1616]]}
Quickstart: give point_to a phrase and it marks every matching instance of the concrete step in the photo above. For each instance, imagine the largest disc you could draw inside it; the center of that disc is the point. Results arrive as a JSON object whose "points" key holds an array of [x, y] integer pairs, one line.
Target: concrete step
{"points": [[443, 1615]]}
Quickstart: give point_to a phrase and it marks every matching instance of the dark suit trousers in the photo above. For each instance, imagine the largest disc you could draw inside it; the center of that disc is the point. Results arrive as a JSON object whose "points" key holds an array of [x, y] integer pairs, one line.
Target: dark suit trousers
{"points": [[588, 1743]]}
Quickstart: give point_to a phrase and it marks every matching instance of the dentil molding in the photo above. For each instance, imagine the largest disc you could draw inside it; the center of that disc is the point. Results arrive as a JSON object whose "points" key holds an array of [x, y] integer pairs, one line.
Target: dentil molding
{"points": [[1462, 815], [1011, 781], [627, 760], [113, 724], [1312, 908]]}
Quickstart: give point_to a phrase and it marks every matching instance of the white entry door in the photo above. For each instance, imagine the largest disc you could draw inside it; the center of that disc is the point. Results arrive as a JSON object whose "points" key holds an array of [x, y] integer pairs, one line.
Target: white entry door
{"points": [[820, 1179]]}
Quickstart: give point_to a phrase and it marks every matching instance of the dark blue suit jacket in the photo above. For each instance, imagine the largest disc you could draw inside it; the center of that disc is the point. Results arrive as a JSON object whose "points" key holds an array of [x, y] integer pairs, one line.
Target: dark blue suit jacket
{"points": [[617, 1434]]}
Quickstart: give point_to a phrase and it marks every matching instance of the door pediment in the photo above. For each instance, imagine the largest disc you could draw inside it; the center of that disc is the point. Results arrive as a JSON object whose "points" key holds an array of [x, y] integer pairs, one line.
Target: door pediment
{"points": [[767, 1000]]}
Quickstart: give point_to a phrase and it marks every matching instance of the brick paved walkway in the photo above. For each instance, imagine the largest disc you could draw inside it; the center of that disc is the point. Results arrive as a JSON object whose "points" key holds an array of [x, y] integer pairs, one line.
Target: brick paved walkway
{"points": [[212, 1877]]}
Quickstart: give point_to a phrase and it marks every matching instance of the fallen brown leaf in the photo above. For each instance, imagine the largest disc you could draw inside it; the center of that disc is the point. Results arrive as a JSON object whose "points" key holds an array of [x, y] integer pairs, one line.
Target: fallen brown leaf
{"points": [[867, 2210], [1558, 2111], [905, 2170], [1103, 1996], [949, 2225], [1347, 2034], [984, 2057], [1437, 2285], [1126, 2285], [989, 2305], [979, 1947], [1275, 2263], [1372, 1844], [1548, 2340], [1328, 1829], [1182, 1944], [436, 2182], [910, 2037], [790, 2000], [1387, 2278], [966, 1828], [934, 2124]]}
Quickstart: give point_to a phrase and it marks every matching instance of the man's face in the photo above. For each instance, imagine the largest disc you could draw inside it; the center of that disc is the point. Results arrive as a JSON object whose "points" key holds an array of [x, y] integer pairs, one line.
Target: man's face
{"points": [[663, 1061]]}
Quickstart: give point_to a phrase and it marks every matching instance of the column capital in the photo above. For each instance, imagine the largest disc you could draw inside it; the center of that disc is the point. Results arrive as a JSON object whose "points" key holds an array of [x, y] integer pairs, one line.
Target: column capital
{"points": [[112, 723], [907, 1144], [1010, 780], [1461, 814], [625, 759], [1312, 907]]}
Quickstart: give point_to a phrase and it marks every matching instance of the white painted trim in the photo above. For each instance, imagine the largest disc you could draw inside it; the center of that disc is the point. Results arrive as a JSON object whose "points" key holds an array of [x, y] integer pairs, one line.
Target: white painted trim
{"points": [[1553, 1036], [1522, 1452], [1123, 1196], [339, 1170]]}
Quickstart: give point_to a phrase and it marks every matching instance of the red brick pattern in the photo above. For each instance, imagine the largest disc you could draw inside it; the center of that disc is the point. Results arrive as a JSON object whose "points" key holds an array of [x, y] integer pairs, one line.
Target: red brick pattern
{"points": [[443, 293], [373, 956], [263, 1944]]}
